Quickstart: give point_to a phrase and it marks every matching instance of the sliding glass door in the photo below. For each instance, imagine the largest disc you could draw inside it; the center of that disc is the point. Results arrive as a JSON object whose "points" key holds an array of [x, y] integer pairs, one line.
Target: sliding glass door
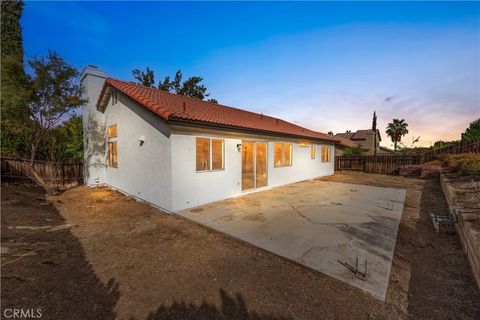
{"points": [[254, 165]]}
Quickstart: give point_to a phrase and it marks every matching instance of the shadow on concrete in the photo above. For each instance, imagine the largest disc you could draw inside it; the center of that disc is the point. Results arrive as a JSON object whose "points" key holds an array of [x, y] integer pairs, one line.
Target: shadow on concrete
{"points": [[48, 270], [233, 308], [375, 236]]}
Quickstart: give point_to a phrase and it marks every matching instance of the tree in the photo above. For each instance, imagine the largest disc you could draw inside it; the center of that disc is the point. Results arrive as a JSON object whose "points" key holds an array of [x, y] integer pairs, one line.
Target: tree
{"points": [[374, 128], [472, 132], [410, 148], [11, 37], [56, 92], [191, 87], [396, 130], [66, 141], [14, 82], [146, 78], [355, 151]]}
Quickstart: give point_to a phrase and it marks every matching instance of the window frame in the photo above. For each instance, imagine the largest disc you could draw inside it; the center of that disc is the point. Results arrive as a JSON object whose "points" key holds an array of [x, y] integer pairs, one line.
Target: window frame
{"points": [[303, 144], [110, 128], [328, 153], [313, 151], [275, 165], [210, 163], [283, 155], [113, 146], [222, 154], [291, 155]]}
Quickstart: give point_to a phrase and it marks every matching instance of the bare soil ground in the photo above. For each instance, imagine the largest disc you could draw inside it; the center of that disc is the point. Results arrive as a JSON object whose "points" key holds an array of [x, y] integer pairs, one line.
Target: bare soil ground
{"points": [[467, 190], [126, 260]]}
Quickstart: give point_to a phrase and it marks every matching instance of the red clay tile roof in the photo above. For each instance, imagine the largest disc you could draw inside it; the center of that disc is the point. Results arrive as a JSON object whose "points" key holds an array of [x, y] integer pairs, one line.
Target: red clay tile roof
{"points": [[358, 135], [349, 143], [345, 135], [177, 107]]}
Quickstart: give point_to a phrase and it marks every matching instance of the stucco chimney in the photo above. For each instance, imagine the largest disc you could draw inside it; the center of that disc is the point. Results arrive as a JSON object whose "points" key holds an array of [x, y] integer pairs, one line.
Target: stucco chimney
{"points": [[370, 142], [92, 80]]}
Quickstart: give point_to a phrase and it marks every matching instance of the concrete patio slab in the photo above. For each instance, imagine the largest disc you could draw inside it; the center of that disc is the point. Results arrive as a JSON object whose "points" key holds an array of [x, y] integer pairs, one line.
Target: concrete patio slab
{"points": [[318, 224]]}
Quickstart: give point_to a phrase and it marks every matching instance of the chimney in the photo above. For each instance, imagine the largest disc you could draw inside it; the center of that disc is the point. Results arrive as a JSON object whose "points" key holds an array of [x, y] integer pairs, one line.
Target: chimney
{"points": [[92, 70], [92, 80]]}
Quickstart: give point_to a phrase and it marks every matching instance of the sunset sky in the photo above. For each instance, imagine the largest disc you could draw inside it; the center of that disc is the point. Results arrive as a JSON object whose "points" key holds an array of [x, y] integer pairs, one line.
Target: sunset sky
{"points": [[325, 66]]}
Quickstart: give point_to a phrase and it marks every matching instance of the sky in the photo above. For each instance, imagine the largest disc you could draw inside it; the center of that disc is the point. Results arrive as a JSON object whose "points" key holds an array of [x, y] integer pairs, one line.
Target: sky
{"points": [[323, 65]]}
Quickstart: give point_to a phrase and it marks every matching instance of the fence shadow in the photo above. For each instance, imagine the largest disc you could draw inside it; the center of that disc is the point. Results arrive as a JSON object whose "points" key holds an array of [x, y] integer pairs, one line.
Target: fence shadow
{"points": [[233, 308]]}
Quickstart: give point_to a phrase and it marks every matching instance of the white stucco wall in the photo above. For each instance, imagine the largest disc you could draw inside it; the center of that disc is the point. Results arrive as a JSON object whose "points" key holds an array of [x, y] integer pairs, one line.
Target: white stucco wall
{"points": [[303, 166], [92, 81], [162, 170], [143, 171], [191, 188]]}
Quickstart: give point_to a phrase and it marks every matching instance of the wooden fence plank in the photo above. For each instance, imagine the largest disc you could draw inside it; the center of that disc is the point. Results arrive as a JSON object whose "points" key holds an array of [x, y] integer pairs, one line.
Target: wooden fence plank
{"points": [[389, 163], [54, 173]]}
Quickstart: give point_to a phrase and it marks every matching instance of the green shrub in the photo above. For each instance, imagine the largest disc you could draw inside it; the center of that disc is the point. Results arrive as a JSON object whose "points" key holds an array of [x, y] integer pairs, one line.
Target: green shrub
{"points": [[356, 151], [464, 163]]}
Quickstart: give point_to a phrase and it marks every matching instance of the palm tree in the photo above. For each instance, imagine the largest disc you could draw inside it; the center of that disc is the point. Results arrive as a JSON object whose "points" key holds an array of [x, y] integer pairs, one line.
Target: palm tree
{"points": [[396, 130]]}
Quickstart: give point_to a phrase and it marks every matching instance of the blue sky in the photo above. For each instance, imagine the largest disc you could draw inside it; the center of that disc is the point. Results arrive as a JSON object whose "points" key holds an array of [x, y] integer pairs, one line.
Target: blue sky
{"points": [[325, 66]]}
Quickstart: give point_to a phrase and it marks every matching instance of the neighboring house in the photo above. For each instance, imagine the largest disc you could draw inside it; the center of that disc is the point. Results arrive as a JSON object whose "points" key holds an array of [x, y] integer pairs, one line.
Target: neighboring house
{"points": [[178, 152], [364, 138]]}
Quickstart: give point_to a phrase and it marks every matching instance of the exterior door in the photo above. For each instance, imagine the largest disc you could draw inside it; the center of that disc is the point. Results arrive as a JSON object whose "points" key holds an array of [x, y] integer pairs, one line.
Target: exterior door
{"points": [[254, 165]]}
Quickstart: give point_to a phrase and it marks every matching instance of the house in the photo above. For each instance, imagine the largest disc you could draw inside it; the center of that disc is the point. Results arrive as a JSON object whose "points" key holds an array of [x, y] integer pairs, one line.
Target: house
{"points": [[363, 138], [177, 152]]}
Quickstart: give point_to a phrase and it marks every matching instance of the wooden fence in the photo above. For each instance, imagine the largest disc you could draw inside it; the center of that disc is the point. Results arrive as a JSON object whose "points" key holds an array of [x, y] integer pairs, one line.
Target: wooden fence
{"points": [[54, 173], [461, 147], [384, 164], [388, 164]]}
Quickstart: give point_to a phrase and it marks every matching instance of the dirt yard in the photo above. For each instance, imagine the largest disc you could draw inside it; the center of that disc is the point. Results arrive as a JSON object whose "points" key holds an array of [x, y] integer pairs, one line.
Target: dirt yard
{"points": [[122, 259]]}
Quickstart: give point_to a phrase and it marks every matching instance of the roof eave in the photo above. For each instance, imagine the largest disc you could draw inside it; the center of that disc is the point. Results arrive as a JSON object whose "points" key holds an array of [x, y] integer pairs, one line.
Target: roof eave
{"points": [[178, 121], [107, 90]]}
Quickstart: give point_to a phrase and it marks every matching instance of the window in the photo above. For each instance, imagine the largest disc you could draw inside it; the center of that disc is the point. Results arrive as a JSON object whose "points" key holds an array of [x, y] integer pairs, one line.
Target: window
{"points": [[278, 154], [303, 144], [112, 154], [325, 153], [287, 155], [112, 131], [203, 154], [209, 154], [312, 151], [112, 146], [282, 154], [217, 154]]}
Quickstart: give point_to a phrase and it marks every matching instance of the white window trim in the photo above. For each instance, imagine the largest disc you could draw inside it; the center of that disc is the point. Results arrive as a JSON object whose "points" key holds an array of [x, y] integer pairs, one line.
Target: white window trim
{"points": [[211, 154], [283, 155], [329, 153]]}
